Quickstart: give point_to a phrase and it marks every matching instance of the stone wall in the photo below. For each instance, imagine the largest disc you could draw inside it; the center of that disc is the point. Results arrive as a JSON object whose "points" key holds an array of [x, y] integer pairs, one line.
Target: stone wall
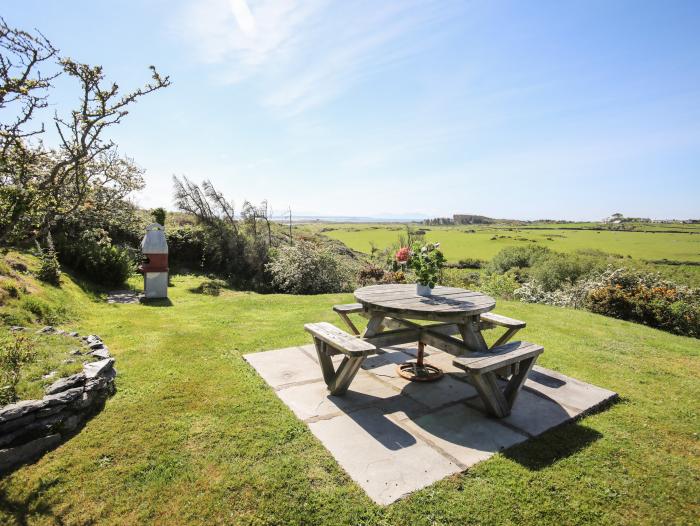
{"points": [[31, 427]]}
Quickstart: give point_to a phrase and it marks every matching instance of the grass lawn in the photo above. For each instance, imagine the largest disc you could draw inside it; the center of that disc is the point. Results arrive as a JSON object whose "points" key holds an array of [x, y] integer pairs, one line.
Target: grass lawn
{"points": [[193, 435], [485, 242]]}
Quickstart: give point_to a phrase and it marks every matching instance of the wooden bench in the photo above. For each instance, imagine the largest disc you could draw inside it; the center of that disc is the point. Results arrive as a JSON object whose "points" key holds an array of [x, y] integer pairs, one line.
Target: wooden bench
{"points": [[349, 308], [483, 367], [330, 341], [490, 320]]}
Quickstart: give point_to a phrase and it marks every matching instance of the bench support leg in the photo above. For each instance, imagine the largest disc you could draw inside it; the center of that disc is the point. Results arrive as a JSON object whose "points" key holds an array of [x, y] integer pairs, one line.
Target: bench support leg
{"points": [[374, 325], [500, 402], [516, 382], [471, 335], [338, 380], [349, 323], [505, 338]]}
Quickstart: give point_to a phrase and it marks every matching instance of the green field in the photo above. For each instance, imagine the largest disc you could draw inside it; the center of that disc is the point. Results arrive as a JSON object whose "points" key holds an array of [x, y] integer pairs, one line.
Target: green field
{"points": [[194, 436], [484, 242]]}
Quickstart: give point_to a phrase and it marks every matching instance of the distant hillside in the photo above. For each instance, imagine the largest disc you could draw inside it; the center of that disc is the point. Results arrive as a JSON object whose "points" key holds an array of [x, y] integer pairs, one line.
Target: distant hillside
{"points": [[468, 219]]}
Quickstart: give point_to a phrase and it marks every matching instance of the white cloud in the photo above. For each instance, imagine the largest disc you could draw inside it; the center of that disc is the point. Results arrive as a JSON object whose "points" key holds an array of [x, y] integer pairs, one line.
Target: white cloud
{"points": [[302, 53]]}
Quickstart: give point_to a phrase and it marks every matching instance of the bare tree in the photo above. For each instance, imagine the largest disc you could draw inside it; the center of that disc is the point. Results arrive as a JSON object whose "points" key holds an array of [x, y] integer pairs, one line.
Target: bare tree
{"points": [[81, 135], [23, 86]]}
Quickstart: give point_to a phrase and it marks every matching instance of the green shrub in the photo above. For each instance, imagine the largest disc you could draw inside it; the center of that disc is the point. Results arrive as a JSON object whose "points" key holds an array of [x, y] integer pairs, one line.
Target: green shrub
{"points": [[470, 263], [94, 256], [462, 278], [501, 285], [158, 215], [49, 269], [516, 257], [43, 311], [5, 269], [16, 350], [10, 288], [210, 287], [304, 268], [553, 271], [186, 247]]}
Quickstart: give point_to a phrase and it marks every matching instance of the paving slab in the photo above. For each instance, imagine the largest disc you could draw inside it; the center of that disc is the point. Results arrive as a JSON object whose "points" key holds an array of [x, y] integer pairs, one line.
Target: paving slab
{"points": [[464, 433], [533, 414], [284, 366], [430, 394], [312, 401], [386, 460], [572, 393], [393, 436]]}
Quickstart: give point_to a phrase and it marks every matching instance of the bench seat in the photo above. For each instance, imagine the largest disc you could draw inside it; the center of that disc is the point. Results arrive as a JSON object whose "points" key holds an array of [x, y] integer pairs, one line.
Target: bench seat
{"points": [[339, 340], [484, 366], [491, 318], [349, 308], [329, 341]]}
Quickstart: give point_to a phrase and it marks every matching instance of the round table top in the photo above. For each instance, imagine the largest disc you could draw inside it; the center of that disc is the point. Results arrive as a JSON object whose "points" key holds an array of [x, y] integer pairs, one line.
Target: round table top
{"points": [[403, 299]]}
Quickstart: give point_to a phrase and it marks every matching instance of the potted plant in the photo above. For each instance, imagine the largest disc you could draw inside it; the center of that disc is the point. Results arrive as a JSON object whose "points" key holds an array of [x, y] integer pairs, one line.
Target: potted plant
{"points": [[426, 261]]}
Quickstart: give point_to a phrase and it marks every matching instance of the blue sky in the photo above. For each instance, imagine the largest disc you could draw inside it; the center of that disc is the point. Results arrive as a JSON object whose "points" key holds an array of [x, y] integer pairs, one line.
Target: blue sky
{"points": [[544, 109]]}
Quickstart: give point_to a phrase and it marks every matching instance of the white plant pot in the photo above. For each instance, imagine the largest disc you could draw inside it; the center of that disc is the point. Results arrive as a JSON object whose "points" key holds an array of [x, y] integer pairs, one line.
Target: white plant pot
{"points": [[423, 290]]}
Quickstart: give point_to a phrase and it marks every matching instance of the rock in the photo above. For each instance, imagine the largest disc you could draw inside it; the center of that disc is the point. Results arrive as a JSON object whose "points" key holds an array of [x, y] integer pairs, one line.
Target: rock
{"points": [[68, 361], [92, 338], [71, 422], [96, 345], [12, 411], [85, 400], [17, 455], [100, 353], [48, 424], [99, 368], [64, 397], [50, 375], [17, 328], [75, 352], [60, 332], [48, 411], [66, 383], [17, 423], [73, 334], [46, 330]]}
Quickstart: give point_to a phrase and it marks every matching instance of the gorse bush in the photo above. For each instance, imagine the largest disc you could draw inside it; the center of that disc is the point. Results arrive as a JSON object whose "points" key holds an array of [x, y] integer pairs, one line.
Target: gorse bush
{"points": [[625, 294], [647, 299], [305, 268]]}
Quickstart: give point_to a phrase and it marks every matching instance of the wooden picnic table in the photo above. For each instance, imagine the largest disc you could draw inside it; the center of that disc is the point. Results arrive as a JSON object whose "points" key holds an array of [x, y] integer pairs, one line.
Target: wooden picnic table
{"points": [[392, 309]]}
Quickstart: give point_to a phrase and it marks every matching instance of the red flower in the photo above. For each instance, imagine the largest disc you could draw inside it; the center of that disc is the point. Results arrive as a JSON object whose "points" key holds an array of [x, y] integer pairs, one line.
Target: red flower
{"points": [[403, 254]]}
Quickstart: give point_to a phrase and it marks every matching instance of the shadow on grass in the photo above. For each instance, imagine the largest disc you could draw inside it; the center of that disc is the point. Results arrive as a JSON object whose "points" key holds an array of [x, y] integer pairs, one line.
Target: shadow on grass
{"points": [[25, 510], [157, 302], [559, 443], [552, 446]]}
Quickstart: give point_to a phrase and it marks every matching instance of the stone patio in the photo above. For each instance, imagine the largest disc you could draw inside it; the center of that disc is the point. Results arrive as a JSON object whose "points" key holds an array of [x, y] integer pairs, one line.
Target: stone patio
{"points": [[393, 436]]}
